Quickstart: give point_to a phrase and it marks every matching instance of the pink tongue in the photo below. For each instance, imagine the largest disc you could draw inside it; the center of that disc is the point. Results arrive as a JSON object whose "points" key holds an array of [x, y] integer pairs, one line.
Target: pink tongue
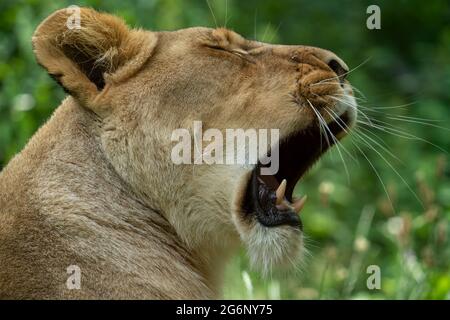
{"points": [[269, 181]]}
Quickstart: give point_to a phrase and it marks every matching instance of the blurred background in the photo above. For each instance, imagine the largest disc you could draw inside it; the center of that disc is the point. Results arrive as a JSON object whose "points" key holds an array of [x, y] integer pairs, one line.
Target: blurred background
{"points": [[389, 206]]}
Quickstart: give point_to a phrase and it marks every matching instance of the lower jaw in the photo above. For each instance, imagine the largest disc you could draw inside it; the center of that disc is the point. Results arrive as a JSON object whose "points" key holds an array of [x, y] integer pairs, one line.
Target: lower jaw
{"points": [[267, 213]]}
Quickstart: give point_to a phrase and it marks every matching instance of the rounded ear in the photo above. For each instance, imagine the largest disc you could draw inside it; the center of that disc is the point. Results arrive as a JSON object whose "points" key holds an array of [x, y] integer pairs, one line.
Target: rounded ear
{"points": [[84, 57]]}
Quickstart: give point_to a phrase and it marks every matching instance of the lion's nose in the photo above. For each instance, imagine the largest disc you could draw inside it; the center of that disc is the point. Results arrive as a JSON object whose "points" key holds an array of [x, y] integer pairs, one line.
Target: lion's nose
{"points": [[324, 58], [338, 68], [334, 63]]}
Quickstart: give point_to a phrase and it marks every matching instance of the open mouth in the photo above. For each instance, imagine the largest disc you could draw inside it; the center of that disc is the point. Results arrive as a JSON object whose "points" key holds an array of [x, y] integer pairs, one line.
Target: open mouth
{"points": [[269, 197]]}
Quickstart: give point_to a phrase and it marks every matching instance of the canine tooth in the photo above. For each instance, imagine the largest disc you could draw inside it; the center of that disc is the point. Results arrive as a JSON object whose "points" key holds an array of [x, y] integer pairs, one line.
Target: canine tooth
{"points": [[280, 191], [299, 204]]}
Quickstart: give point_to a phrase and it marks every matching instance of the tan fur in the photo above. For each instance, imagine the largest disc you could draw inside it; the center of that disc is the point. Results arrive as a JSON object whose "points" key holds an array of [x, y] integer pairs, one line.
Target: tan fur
{"points": [[95, 186]]}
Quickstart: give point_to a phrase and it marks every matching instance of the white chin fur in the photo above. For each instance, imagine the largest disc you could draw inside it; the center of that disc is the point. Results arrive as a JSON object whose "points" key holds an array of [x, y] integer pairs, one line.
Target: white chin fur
{"points": [[273, 247]]}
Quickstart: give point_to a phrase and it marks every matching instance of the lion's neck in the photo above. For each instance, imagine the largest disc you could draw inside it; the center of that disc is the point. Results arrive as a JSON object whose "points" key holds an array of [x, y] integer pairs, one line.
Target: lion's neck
{"points": [[101, 221]]}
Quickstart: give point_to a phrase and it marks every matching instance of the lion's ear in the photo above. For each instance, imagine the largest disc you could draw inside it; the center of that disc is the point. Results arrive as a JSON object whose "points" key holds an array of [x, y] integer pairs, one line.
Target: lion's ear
{"points": [[85, 50]]}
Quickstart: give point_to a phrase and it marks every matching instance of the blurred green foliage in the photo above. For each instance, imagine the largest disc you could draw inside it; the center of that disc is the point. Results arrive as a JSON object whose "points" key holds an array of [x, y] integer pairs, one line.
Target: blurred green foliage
{"points": [[395, 219]]}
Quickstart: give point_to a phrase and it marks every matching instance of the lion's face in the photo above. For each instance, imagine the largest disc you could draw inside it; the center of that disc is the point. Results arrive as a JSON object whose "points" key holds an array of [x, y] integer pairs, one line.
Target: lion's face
{"points": [[227, 82]]}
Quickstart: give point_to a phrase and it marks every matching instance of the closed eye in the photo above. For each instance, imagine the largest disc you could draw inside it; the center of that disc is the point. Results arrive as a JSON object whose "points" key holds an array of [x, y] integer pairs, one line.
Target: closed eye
{"points": [[237, 52]]}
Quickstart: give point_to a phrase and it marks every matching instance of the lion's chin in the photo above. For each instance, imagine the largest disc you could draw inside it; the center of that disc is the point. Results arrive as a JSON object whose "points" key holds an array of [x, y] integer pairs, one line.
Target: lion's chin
{"points": [[274, 248]]}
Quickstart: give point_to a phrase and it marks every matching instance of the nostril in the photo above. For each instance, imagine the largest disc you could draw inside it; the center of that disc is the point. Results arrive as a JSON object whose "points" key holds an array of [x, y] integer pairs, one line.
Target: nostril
{"points": [[340, 71]]}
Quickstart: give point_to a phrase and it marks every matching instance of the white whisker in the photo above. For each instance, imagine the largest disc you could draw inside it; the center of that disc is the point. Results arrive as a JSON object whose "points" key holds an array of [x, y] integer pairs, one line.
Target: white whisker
{"points": [[398, 174], [399, 133], [374, 169], [320, 125], [320, 118], [378, 144], [420, 122]]}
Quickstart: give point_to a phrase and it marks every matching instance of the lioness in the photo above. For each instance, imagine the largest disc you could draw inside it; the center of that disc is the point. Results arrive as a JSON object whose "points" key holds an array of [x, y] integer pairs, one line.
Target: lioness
{"points": [[96, 188]]}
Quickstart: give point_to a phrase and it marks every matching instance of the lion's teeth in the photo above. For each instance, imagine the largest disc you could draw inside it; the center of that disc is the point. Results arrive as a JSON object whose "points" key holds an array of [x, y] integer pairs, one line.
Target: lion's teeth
{"points": [[299, 204], [280, 192]]}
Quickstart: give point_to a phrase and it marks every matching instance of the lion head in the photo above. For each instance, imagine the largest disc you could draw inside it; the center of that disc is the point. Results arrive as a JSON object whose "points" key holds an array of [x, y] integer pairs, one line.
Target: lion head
{"points": [[143, 86]]}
